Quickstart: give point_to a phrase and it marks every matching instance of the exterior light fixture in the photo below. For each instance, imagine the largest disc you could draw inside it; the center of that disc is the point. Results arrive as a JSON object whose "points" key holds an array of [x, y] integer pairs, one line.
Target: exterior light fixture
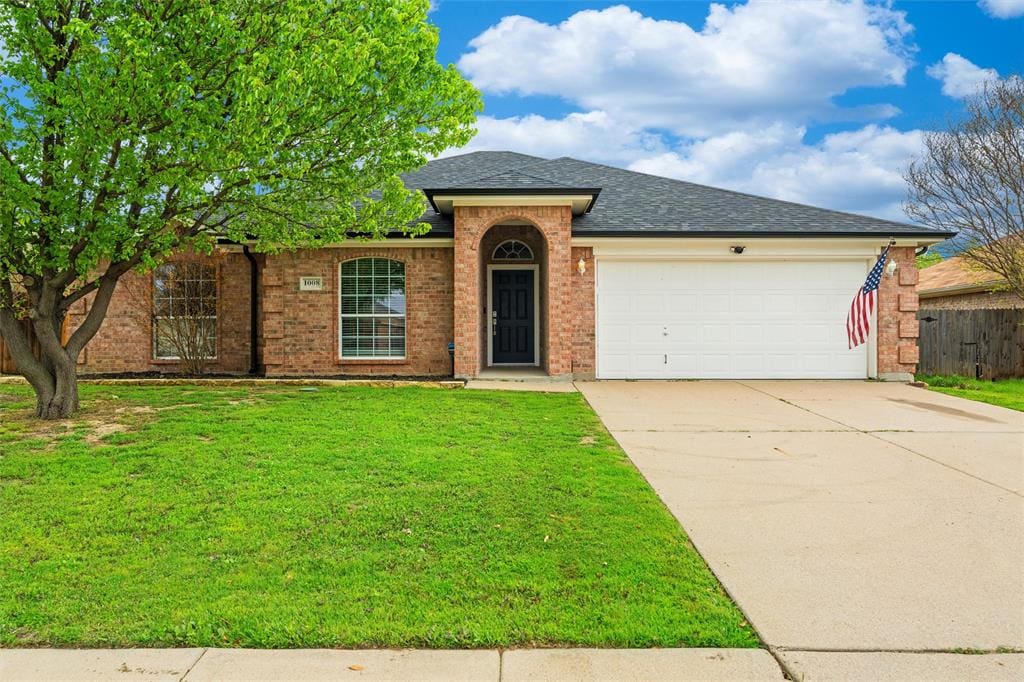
{"points": [[581, 266], [737, 249], [891, 267]]}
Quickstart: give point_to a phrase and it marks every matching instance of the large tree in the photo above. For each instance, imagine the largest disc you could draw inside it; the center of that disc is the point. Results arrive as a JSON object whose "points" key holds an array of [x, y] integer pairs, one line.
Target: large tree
{"points": [[970, 178], [131, 128]]}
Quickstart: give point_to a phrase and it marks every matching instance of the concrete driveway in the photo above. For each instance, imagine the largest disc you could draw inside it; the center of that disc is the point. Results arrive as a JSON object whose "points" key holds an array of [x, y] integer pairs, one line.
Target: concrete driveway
{"points": [[841, 515]]}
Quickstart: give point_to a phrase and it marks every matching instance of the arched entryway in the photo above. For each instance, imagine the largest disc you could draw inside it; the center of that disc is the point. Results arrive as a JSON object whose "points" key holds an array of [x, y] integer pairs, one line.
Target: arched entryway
{"points": [[513, 278], [545, 231]]}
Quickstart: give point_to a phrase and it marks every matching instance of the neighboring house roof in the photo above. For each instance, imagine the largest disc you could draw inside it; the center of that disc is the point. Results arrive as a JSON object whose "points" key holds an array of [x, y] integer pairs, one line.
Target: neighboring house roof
{"points": [[638, 204], [954, 276]]}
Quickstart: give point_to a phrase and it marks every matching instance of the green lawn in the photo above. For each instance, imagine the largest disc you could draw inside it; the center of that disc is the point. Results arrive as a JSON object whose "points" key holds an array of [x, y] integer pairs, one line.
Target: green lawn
{"points": [[1006, 392], [288, 517]]}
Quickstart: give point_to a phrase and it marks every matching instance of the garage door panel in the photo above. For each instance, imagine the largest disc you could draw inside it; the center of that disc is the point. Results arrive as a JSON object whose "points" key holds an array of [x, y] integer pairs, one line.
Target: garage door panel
{"points": [[715, 334], [647, 304], [677, 319], [746, 302], [615, 303], [781, 302], [682, 303], [648, 334], [746, 335]]}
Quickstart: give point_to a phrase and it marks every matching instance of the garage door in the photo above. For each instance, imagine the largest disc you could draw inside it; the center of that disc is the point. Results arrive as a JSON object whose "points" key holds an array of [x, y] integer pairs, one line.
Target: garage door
{"points": [[726, 320]]}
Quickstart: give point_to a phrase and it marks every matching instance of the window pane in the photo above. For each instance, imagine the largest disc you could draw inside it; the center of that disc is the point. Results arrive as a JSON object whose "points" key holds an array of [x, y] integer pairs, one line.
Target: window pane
{"points": [[348, 305], [163, 345], [372, 308], [185, 308]]}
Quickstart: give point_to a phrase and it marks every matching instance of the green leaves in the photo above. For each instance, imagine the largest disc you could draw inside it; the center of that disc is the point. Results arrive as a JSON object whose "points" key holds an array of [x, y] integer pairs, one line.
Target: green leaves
{"points": [[130, 127]]}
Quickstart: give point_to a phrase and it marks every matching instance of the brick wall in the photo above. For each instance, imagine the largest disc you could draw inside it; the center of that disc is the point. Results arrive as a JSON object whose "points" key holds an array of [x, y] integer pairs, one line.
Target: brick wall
{"points": [[979, 300], [583, 315], [300, 328], [124, 343], [897, 317], [471, 224]]}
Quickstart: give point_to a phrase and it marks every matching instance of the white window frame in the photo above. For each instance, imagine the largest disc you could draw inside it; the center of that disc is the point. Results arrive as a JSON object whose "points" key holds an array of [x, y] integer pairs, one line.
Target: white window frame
{"points": [[404, 316], [157, 318], [495, 257]]}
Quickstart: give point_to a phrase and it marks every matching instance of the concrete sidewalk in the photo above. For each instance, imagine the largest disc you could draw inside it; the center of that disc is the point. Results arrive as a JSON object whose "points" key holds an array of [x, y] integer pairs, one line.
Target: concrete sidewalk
{"points": [[537, 665], [311, 665]]}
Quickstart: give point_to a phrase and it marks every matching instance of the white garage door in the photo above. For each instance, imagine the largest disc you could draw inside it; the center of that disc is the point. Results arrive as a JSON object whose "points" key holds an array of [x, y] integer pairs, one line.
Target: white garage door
{"points": [[727, 320]]}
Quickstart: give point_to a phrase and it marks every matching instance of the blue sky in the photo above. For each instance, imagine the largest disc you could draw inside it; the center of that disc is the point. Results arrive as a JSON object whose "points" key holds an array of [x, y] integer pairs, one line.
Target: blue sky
{"points": [[816, 101]]}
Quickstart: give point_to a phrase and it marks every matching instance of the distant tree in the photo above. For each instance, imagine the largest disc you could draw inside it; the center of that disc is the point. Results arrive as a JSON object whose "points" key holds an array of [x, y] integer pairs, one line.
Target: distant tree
{"points": [[928, 258], [971, 179], [132, 128]]}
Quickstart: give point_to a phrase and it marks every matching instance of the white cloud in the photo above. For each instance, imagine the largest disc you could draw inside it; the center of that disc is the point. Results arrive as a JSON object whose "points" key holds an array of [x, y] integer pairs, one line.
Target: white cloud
{"points": [[960, 76], [1002, 9], [727, 105], [750, 65], [859, 171], [593, 135]]}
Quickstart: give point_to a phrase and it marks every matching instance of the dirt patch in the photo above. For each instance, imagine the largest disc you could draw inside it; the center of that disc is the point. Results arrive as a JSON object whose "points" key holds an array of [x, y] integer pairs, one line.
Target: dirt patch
{"points": [[100, 430], [136, 409], [147, 409]]}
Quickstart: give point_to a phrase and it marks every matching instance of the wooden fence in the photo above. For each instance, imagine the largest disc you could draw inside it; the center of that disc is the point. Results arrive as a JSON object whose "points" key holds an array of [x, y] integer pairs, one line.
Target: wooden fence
{"points": [[948, 338], [6, 361]]}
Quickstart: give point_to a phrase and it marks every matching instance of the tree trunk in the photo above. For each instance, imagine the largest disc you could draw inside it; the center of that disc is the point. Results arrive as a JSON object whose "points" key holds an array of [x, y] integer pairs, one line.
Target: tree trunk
{"points": [[53, 377], [62, 401]]}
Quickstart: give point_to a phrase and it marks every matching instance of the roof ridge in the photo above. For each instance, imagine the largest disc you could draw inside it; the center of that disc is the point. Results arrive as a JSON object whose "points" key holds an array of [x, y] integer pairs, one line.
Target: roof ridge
{"points": [[519, 172], [744, 194]]}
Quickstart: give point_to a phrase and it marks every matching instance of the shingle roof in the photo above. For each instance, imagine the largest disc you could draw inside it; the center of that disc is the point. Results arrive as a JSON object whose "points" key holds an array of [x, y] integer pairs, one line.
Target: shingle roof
{"points": [[514, 179], [449, 171], [954, 273], [640, 204]]}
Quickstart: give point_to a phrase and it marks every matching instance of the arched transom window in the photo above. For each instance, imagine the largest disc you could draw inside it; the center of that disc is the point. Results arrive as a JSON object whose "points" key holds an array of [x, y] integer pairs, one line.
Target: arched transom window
{"points": [[512, 249], [372, 311]]}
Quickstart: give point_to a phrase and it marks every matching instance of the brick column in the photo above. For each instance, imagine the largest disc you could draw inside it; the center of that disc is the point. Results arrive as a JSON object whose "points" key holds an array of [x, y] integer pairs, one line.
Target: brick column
{"points": [[897, 318], [584, 316], [558, 233], [555, 224]]}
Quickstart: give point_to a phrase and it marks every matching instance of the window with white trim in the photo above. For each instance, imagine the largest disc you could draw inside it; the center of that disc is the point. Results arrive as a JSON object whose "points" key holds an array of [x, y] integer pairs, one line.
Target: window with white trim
{"points": [[372, 309], [184, 311], [512, 249]]}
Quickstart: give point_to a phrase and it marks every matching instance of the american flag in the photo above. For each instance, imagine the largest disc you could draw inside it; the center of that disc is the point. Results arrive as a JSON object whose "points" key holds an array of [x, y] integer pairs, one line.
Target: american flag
{"points": [[858, 322]]}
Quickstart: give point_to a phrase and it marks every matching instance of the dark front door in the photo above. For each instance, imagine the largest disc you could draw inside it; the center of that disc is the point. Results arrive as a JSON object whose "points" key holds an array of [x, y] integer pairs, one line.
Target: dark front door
{"points": [[512, 318]]}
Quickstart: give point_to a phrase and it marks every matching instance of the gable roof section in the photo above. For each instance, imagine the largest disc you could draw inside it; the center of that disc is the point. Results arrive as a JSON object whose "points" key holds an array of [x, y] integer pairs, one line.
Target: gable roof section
{"points": [[451, 170], [954, 276], [639, 204]]}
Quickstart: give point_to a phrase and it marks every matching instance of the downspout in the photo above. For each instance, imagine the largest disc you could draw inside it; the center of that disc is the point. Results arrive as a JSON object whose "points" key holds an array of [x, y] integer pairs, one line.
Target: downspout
{"points": [[253, 311]]}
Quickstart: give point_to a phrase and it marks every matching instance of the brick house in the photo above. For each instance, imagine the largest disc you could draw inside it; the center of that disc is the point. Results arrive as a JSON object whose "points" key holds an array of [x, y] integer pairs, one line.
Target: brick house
{"points": [[572, 268]]}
